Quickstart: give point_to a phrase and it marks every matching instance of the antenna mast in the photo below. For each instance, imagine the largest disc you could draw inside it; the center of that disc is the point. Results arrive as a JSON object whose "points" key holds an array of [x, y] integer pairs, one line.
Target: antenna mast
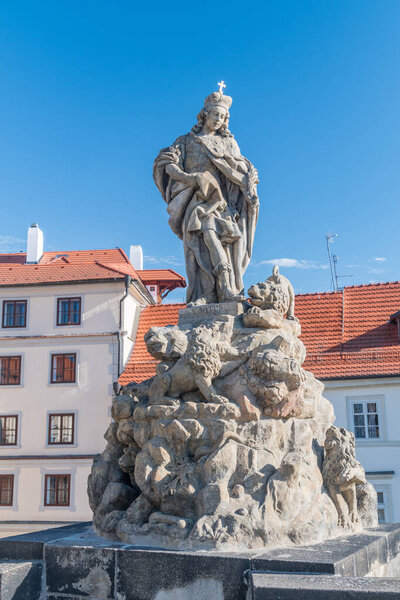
{"points": [[332, 262]]}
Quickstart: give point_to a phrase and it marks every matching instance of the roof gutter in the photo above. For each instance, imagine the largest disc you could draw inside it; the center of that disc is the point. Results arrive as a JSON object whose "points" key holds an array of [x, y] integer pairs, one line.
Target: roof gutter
{"points": [[69, 282]]}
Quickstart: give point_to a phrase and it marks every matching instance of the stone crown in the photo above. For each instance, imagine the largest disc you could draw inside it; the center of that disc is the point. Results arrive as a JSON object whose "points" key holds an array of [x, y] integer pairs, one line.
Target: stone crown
{"points": [[218, 99]]}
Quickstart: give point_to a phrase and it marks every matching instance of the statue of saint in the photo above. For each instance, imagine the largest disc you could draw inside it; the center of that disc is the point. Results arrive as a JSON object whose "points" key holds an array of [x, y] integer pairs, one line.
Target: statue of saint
{"points": [[210, 190]]}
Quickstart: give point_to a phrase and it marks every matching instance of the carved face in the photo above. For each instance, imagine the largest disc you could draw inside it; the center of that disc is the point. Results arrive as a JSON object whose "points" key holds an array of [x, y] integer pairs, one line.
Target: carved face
{"points": [[332, 438], [165, 342], [215, 118], [269, 294]]}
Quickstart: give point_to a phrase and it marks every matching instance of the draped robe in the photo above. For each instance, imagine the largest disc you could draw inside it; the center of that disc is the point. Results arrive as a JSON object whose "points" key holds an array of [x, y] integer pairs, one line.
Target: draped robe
{"points": [[234, 221]]}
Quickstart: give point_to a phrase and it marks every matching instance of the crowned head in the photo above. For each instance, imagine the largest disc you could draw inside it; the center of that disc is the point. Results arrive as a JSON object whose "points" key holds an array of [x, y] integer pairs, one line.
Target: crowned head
{"points": [[218, 99], [215, 114]]}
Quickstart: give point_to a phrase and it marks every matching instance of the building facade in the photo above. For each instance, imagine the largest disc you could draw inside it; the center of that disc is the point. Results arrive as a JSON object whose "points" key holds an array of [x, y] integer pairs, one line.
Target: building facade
{"points": [[68, 324]]}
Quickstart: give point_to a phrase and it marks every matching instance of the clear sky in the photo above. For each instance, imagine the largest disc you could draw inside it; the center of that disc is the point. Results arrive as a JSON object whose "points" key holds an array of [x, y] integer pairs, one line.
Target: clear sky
{"points": [[91, 90]]}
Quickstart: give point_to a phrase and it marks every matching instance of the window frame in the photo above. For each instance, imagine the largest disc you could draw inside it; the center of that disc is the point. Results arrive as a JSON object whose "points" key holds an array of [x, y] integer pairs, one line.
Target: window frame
{"points": [[365, 413], [21, 301], [63, 354], [2, 357], [12, 477], [379, 400], [58, 475], [60, 414], [10, 416], [69, 298], [386, 489]]}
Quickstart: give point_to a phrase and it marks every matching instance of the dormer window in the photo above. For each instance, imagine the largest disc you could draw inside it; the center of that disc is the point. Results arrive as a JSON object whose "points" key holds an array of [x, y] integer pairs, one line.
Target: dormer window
{"points": [[68, 311], [396, 319]]}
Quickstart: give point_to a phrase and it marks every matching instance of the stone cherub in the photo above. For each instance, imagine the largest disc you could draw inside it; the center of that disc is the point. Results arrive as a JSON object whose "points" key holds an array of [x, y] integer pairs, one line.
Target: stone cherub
{"points": [[341, 473], [210, 190], [201, 361]]}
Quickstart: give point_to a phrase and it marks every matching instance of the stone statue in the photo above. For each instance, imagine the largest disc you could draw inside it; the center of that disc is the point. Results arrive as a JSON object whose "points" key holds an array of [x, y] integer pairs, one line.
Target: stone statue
{"points": [[224, 447], [210, 190], [231, 443], [342, 475]]}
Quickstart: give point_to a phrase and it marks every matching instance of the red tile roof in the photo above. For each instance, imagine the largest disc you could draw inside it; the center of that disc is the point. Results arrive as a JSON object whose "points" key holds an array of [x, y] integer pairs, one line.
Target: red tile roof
{"points": [[161, 276], [347, 334], [68, 266]]}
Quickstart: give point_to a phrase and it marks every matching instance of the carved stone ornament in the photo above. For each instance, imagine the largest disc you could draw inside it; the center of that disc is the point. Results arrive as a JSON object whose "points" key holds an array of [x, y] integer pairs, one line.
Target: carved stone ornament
{"points": [[231, 444], [211, 195]]}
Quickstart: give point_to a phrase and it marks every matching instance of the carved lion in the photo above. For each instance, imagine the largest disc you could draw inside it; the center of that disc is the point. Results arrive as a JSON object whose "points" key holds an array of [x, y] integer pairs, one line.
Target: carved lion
{"points": [[277, 382], [166, 343], [196, 369], [341, 472], [274, 293]]}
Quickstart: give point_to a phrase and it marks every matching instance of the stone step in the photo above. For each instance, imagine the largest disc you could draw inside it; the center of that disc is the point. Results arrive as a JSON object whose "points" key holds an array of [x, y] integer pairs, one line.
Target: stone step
{"points": [[291, 586], [22, 580]]}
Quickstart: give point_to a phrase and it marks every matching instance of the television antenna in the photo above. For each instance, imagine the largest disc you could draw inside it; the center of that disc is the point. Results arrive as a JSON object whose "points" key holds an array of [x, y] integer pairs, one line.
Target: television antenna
{"points": [[329, 240], [333, 261]]}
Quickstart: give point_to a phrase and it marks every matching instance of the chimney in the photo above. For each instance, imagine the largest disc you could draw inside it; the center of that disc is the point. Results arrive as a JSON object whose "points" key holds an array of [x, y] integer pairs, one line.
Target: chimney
{"points": [[136, 257], [34, 250]]}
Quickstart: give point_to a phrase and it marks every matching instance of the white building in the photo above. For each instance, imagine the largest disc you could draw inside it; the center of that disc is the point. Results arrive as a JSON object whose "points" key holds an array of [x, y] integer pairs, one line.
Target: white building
{"points": [[353, 346], [68, 323]]}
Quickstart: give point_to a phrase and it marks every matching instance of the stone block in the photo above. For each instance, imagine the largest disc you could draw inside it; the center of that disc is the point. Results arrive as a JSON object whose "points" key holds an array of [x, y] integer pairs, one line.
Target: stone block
{"points": [[163, 575], [79, 570], [355, 555], [198, 315], [272, 586], [21, 580], [29, 546]]}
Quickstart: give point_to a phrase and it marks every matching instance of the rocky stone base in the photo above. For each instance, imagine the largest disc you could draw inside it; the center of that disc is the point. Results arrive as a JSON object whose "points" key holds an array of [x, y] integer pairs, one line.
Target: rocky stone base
{"points": [[78, 564]]}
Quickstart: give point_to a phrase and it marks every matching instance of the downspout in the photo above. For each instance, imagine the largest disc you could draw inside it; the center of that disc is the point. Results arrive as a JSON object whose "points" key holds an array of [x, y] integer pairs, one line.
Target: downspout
{"points": [[128, 280]]}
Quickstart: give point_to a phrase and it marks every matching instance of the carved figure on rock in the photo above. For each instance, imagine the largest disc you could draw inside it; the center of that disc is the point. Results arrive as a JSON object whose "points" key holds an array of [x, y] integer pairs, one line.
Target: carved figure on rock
{"points": [[341, 472], [166, 343], [277, 382], [271, 300], [223, 446], [195, 370], [210, 190]]}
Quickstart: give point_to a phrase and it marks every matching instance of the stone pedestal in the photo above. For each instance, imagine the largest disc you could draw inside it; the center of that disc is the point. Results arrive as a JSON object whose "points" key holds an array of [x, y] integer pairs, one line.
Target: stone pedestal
{"points": [[76, 564], [231, 445]]}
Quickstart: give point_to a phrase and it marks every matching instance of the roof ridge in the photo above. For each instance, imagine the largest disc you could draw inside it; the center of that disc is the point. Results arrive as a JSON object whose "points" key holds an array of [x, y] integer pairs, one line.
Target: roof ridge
{"points": [[124, 255], [112, 267]]}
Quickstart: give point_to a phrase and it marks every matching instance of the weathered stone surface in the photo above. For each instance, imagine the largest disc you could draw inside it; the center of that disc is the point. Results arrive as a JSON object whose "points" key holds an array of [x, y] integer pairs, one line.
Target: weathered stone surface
{"points": [[211, 193], [29, 546], [83, 565], [225, 446], [231, 444], [21, 580], [180, 575], [270, 586], [80, 571]]}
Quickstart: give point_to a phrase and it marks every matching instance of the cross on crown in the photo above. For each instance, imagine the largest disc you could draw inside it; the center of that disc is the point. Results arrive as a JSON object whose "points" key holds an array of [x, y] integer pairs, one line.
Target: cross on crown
{"points": [[221, 85]]}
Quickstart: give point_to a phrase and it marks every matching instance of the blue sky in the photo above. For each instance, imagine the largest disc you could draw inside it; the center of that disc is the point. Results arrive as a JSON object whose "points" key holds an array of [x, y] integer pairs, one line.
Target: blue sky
{"points": [[90, 91]]}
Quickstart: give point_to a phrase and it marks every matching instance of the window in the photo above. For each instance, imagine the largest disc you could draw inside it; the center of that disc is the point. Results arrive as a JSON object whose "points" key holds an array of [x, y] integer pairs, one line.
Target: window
{"points": [[61, 429], [366, 419], [8, 430], [6, 490], [63, 368], [57, 490], [68, 311], [383, 504], [10, 370], [14, 313]]}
